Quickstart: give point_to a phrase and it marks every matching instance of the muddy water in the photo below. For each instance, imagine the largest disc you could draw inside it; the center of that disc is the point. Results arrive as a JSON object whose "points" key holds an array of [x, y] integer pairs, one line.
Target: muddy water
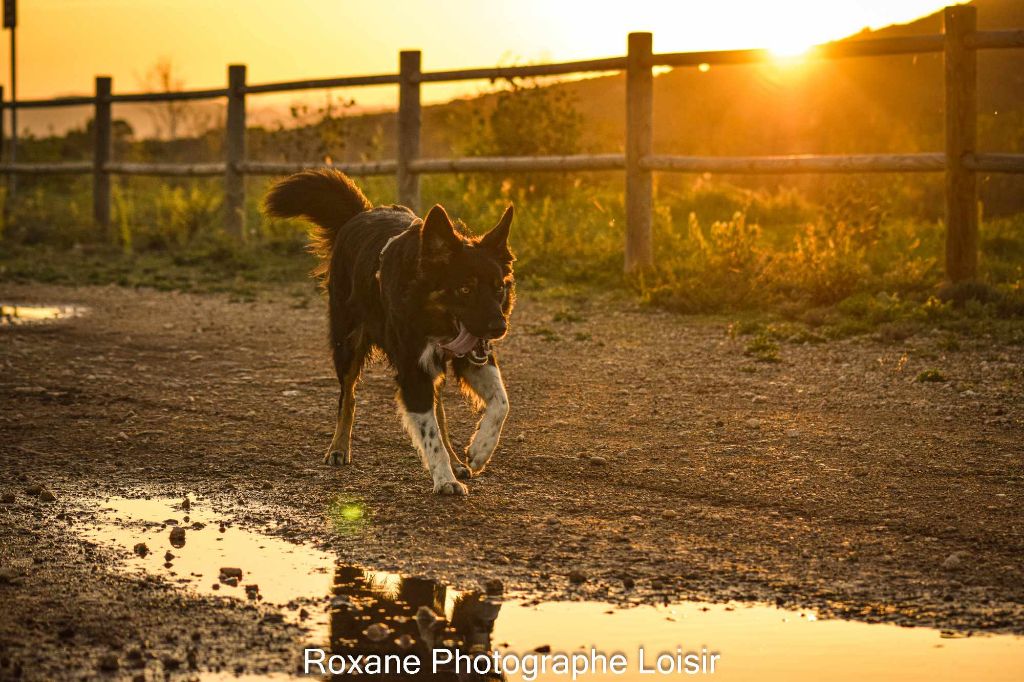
{"points": [[356, 611], [13, 314]]}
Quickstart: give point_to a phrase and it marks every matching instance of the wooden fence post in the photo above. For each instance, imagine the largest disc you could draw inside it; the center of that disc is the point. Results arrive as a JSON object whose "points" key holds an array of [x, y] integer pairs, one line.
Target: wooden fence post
{"points": [[408, 127], [234, 150], [102, 152], [961, 140], [639, 134]]}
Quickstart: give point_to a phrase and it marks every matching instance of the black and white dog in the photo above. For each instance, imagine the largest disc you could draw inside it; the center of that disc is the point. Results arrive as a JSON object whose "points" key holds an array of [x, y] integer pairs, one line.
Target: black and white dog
{"points": [[422, 292]]}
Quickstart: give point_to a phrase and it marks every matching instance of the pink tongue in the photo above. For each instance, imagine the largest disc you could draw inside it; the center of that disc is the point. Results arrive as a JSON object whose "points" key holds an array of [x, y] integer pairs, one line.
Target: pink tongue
{"points": [[461, 344]]}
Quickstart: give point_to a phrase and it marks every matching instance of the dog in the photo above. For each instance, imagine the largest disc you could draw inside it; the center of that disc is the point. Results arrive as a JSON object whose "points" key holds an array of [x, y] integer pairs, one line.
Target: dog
{"points": [[423, 293]]}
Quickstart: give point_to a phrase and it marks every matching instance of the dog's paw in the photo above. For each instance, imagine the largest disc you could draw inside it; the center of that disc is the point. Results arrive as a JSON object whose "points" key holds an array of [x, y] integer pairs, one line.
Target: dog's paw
{"points": [[334, 458], [462, 472], [450, 488]]}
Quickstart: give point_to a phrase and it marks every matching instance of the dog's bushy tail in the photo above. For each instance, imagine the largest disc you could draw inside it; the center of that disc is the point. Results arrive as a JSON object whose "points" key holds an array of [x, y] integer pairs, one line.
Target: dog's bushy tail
{"points": [[326, 197]]}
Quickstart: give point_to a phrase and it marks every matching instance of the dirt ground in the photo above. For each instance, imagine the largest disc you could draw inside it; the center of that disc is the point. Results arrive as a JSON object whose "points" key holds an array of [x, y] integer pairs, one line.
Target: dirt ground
{"points": [[641, 448]]}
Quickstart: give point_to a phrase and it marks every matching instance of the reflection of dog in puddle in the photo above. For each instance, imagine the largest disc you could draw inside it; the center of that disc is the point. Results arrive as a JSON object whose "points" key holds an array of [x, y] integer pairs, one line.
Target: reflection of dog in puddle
{"points": [[372, 616]]}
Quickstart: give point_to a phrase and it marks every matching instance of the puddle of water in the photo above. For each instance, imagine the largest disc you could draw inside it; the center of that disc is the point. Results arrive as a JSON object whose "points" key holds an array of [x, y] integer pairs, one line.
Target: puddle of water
{"points": [[13, 314], [354, 611]]}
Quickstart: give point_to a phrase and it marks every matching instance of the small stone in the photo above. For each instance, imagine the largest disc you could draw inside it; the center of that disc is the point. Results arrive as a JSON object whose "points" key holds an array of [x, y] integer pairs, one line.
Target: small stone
{"points": [[494, 586], [33, 490], [46, 496], [141, 549], [753, 423], [229, 572], [168, 556], [521, 438], [543, 649], [598, 460], [177, 537], [377, 632], [186, 504], [793, 433], [669, 514], [8, 498], [577, 577], [628, 583], [954, 561], [760, 399], [109, 663]]}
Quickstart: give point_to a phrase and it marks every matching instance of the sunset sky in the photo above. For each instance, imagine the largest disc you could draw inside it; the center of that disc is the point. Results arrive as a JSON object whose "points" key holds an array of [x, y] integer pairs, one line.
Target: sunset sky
{"points": [[63, 44]]}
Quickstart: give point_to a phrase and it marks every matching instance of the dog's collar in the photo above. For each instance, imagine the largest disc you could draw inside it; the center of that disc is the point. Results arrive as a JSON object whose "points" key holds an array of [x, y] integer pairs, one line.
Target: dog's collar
{"points": [[380, 258]]}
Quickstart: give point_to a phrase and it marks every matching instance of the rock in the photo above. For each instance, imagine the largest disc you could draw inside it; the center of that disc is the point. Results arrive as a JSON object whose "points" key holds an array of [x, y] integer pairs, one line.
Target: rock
{"points": [[46, 496], [229, 572], [628, 583], [753, 423], [33, 490], [598, 460], [230, 582], [168, 556], [793, 433], [760, 399], [7, 498], [186, 504], [494, 586], [669, 514], [109, 663], [177, 537], [954, 561], [543, 649], [377, 632], [428, 621], [577, 577], [141, 549]]}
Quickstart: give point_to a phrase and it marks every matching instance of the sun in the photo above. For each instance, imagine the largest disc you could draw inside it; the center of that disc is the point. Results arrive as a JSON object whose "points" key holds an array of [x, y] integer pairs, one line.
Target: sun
{"points": [[790, 48]]}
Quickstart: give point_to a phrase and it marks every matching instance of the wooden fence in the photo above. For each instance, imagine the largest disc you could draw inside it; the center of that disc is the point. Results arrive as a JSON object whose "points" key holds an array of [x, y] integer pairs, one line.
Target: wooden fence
{"points": [[959, 44]]}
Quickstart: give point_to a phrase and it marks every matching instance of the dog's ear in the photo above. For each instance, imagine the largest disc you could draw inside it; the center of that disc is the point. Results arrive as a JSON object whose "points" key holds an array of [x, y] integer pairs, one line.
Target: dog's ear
{"points": [[497, 239], [437, 236]]}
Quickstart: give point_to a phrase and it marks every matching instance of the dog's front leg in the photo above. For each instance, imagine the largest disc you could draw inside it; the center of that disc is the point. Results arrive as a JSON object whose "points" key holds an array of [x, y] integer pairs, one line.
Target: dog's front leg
{"points": [[485, 383], [417, 398]]}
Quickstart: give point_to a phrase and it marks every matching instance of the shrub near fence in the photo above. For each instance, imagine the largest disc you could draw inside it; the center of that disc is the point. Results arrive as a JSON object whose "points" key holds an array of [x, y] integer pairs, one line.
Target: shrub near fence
{"points": [[959, 44]]}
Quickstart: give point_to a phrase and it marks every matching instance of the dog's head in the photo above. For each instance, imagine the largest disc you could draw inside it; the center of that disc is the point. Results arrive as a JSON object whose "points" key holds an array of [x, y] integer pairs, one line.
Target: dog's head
{"points": [[470, 278]]}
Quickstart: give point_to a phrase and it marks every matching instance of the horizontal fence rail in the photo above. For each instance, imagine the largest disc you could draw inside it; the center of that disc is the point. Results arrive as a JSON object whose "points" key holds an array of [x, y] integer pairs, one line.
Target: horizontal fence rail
{"points": [[960, 161]]}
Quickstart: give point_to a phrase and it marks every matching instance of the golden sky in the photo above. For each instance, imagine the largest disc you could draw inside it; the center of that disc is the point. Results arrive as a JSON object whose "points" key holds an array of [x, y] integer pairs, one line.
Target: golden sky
{"points": [[63, 44]]}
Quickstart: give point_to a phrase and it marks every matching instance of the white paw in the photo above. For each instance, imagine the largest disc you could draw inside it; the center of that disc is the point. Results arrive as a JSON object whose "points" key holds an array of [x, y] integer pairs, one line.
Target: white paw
{"points": [[477, 458], [450, 488], [461, 471]]}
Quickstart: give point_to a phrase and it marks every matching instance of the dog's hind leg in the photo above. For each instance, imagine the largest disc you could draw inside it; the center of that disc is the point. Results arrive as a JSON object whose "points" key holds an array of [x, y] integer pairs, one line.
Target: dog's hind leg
{"points": [[442, 423], [484, 383], [348, 363]]}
